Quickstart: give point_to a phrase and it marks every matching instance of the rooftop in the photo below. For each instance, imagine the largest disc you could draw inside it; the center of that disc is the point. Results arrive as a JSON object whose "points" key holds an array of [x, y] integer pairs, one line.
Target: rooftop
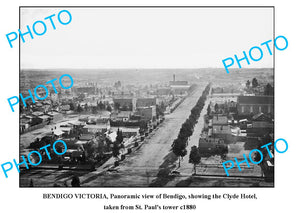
{"points": [[261, 117], [37, 113], [86, 137], [44, 116], [122, 114], [125, 129], [221, 130], [97, 126], [256, 100], [220, 119]]}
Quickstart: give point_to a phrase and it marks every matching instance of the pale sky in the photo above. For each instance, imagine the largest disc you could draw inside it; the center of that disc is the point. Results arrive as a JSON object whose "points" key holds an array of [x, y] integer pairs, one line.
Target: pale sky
{"points": [[146, 37]]}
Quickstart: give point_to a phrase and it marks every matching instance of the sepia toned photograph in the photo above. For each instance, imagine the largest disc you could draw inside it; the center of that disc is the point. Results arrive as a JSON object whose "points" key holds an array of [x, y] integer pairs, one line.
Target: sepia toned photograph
{"points": [[139, 97]]}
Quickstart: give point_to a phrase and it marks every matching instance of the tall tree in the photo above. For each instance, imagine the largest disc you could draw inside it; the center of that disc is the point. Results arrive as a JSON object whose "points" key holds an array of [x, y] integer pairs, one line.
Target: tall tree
{"points": [[115, 149], [72, 107], [31, 183], [75, 181], [195, 157], [216, 108], [117, 144], [248, 84], [119, 137], [254, 83], [208, 109], [100, 105], [79, 108], [179, 149], [269, 90], [108, 108]]}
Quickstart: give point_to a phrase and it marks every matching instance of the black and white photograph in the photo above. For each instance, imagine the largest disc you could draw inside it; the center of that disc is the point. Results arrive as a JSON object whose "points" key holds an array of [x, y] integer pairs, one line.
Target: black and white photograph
{"points": [[140, 97], [149, 106]]}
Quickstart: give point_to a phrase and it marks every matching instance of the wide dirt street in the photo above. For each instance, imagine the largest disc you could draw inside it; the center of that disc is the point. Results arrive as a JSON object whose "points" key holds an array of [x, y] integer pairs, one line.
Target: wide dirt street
{"points": [[141, 167]]}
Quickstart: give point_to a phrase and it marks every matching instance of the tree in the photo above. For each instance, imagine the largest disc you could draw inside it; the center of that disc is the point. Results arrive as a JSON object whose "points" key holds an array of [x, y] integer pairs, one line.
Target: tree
{"points": [[195, 157], [116, 149], [179, 149], [119, 137], [216, 108], [269, 90], [31, 183], [79, 108], [75, 181], [248, 84], [254, 83], [108, 108], [186, 129], [72, 107], [100, 105], [208, 109], [117, 144]]}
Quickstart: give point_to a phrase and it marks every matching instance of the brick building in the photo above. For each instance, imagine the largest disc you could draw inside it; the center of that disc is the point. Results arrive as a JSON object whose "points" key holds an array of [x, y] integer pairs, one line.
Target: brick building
{"points": [[247, 105]]}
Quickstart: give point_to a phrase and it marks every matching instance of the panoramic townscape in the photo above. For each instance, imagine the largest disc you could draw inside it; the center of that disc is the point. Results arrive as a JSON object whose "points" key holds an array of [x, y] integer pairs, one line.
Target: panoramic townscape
{"points": [[149, 128]]}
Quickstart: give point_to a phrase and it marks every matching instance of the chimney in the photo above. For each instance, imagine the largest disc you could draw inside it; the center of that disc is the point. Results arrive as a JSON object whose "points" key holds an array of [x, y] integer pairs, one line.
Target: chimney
{"points": [[173, 77]]}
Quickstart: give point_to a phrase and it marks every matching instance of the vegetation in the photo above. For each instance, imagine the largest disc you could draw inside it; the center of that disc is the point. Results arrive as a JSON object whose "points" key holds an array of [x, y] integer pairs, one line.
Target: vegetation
{"points": [[208, 110], [254, 83], [180, 143], [269, 90], [216, 108], [248, 84], [117, 144], [75, 181], [79, 108], [195, 157], [108, 108], [72, 107]]}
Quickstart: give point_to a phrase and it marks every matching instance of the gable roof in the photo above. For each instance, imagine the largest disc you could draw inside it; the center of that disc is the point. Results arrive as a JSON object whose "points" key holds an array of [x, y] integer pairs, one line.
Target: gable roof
{"points": [[37, 113], [261, 117]]}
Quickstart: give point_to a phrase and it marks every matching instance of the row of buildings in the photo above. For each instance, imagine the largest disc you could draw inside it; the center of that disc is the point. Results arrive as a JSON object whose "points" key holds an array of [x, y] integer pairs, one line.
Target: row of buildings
{"points": [[125, 103], [234, 117], [90, 117]]}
